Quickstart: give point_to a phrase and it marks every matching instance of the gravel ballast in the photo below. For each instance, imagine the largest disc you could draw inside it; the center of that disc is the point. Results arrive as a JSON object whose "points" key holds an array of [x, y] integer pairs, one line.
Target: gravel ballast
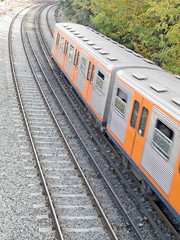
{"points": [[23, 214]]}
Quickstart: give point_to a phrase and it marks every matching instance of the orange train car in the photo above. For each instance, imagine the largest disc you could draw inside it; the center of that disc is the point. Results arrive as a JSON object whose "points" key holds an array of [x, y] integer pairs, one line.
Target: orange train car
{"points": [[136, 103]]}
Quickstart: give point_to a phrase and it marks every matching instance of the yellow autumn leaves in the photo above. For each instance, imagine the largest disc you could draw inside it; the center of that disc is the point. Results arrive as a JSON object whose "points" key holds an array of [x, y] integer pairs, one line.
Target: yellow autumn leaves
{"points": [[149, 27]]}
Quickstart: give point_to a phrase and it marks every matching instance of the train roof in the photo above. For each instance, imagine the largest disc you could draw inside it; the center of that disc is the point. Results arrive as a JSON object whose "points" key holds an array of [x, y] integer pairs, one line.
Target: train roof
{"points": [[143, 74], [107, 51], [160, 87]]}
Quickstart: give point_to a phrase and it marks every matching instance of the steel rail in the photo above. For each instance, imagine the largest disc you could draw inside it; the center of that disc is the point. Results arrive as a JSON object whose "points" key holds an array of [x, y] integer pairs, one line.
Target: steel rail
{"points": [[158, 210], [120, 174], [92, 159], [109, 227], [47, 13], [58, 230], [164, 218]]}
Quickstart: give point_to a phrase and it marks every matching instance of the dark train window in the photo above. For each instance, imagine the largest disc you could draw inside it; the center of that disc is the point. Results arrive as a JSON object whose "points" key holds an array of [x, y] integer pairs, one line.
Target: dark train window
{"points": [[66, 47], [134, 114], [77, 59], [162, 139], [74, 62], [120, 101], [99, 82], [71, 53], [92, 75], [89, 70], [57, 39], [143, 121], [83, 65]]}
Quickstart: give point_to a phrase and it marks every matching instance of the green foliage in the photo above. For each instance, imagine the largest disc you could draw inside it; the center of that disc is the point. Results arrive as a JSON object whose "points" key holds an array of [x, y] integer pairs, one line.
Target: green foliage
{"points": [[150, 27], [74, 12], [157, 33]]}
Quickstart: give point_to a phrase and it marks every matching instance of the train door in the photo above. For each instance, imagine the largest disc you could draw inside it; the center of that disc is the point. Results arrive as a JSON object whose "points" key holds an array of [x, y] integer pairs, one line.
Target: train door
{"points": [[120, 108], [81, 76], [137, 127], [64, 60], [70, 56], [75, 64]]}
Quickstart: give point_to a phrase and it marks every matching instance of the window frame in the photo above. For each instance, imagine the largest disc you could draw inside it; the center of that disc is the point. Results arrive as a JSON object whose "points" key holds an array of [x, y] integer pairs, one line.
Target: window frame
{"points": [[77, 59], [100, 79], [141, 130], [83, 65], [61, 43], [164, 137], [66, 47], [71, 53], [136, 116], [89, 71], [119, 99], [92, 74], [75, 55]]}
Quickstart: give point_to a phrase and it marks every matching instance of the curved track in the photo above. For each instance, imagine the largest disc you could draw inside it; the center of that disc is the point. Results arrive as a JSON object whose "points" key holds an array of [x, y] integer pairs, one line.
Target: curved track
{"points": [[66, 145], [57, 166], [125, 179]]}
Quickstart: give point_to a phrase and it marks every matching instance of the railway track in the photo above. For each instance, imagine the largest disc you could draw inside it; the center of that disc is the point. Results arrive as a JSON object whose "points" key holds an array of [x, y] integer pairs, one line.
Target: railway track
{"points": [[54, 158], [88, 153], [152, 218], [63, 181], [154, 224]]}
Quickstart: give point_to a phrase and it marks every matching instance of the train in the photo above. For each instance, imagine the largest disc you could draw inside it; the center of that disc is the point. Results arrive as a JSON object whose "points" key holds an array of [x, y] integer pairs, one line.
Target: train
{"points": [[135, 102]]}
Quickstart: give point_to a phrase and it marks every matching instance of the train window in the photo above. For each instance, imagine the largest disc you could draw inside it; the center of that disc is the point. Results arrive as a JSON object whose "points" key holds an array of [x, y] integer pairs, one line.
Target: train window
{"points": [[71, 53], [99, 82], [89, 70], [83, 65], [57, 39], [134, 114], [66, 47], [77, 59], [162, 139], [143, 121], [61, 44], [120, 101], [92, 74]]}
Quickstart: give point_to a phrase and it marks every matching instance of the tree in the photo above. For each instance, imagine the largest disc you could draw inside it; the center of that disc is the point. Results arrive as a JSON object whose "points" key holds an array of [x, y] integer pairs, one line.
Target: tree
{"points": [[150, 27], [156, 33]]}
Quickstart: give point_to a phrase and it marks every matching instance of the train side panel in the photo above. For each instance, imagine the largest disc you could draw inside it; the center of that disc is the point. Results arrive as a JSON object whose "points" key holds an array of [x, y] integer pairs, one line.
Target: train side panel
{"points": [[70, 59], [160, 160], [150, 139], [89, 77], [100, 91], [129, 117], [91, 80], [81, 75], [147, 135], [119, 111]]}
